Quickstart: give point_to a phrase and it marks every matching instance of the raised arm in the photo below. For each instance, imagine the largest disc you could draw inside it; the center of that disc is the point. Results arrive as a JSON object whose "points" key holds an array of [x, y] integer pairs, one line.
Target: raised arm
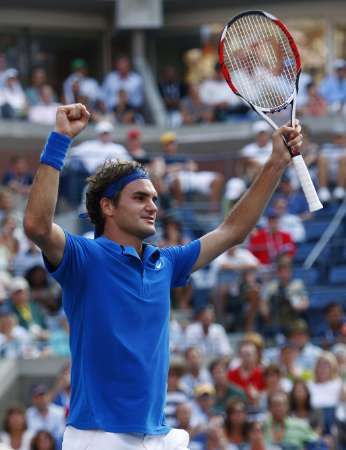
{"points": [[245, 214], [40, 209]]}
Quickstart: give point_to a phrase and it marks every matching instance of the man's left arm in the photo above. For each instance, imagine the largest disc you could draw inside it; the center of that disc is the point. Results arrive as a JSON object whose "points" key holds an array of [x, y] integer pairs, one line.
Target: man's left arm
{"points": [[244, 216]]}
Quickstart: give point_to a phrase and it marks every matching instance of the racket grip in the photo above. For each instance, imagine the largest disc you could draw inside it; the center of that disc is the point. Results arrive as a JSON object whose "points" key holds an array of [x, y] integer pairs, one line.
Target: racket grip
{"points": [[307, 184]]}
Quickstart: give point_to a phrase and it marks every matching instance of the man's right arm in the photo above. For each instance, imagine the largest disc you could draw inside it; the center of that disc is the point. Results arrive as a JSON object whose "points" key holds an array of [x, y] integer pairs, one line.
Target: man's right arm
{"points": [[40, 209]]}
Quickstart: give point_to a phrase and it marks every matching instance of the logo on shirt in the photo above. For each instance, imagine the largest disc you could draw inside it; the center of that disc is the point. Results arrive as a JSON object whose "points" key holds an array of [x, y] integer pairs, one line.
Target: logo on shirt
{"points": [[158, 265]]}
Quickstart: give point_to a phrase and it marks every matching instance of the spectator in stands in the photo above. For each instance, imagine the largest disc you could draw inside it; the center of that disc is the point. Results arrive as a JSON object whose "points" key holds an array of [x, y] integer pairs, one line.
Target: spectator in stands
{"points": [[86, 157], [326, 387], [339, 351], [195, 371], [340, 420], [289, 223], [193, 109], [287, 357], [273, 382], [38, 80], [175, 393], [123, 78], [268, 243], [238, 290], [135, 148], [124, 113], [15, 341], [285, 431], [256, 153], [285, 299], [43, 440], [332, 166], [44, 111], [255, 437], [308, 353], [314, 105], [224, 390], [301, 407], [18, 177], [235, 423], [13, 103], [183, 175], [215, 438], [249, 374], [92, 153], [203, 405], [184, 421], [335, 331], [172, 90], [16, 434], [216, 93], [333, 86], [28, 313], [44, 415], [80, 87], [208, 336]]}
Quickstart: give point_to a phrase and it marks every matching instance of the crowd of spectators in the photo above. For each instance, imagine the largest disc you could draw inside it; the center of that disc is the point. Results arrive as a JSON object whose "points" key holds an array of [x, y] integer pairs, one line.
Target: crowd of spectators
{"points": [[192, 93], [247, 371], [119, 97]]}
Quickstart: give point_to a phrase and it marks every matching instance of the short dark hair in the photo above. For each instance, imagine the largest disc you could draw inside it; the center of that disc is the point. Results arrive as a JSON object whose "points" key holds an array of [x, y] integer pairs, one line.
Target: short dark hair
{"points": [[9, 412], [331, 306], [97, 183], [35, 440]]}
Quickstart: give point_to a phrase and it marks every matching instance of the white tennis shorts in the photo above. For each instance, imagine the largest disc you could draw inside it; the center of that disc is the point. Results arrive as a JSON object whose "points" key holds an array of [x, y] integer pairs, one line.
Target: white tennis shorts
{"points": [[75, 439]]}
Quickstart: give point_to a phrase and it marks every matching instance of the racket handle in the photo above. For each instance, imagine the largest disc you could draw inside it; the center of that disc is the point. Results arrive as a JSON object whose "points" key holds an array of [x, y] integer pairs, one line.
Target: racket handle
{"points": [[307, 184]]}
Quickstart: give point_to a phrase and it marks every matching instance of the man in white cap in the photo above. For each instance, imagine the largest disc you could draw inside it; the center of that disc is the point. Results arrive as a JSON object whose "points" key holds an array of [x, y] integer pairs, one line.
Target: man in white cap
{"points": [[86, 157], [256, 153], [12, 97], [93, 153]]}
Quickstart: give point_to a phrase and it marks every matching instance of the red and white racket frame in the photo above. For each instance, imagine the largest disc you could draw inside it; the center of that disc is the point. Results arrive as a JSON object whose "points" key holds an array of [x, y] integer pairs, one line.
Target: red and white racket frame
{"points": [[298, 161]]}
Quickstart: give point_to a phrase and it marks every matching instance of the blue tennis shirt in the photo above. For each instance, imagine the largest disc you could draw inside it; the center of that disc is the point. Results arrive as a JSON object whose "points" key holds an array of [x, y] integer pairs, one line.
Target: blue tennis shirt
{"points": [[118, 307]]}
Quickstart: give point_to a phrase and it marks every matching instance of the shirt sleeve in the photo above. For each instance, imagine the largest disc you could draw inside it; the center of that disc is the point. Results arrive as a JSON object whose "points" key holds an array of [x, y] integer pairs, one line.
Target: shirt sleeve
{"points": [[73, 261], [182, 258]]}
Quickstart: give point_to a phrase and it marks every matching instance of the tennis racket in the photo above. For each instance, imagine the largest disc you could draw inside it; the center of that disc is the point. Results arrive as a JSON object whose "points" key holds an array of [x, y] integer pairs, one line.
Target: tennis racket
{"points": [[261, 64]]}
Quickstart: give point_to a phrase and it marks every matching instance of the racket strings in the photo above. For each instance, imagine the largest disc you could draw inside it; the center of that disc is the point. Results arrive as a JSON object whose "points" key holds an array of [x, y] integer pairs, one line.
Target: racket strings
{"points": [[261, 63]]}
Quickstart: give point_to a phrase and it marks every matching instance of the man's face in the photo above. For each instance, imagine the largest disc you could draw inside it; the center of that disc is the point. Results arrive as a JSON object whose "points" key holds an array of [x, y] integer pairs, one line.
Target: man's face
{"points": [[334, 315], [183, 413], [40, 401], [123, 66], [262, 138], [171, 148], [136, 210], [219, 373], [248, 356], [207, 317], [279, 407], [20, 297]]}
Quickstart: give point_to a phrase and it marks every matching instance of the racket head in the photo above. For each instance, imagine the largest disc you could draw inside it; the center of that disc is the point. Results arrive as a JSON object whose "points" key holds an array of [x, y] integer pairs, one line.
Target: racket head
{"points": [[260, 60]]}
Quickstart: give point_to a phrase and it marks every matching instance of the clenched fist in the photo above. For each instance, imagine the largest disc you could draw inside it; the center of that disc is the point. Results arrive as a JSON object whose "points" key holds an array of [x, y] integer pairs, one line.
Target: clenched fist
{"points": [[71, 119]]}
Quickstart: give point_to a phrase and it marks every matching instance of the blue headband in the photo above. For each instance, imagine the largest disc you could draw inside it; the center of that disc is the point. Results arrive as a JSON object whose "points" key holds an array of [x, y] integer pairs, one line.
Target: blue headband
{"points": [[118, 185]]}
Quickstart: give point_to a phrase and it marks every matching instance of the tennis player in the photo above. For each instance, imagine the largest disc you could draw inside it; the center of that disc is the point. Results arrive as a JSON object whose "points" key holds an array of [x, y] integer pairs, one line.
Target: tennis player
{"points": [[116, 288]]}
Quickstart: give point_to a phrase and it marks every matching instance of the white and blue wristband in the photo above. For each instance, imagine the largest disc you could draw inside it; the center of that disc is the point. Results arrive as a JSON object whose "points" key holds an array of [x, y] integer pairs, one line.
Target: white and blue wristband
{"points": [[55, 150]]}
